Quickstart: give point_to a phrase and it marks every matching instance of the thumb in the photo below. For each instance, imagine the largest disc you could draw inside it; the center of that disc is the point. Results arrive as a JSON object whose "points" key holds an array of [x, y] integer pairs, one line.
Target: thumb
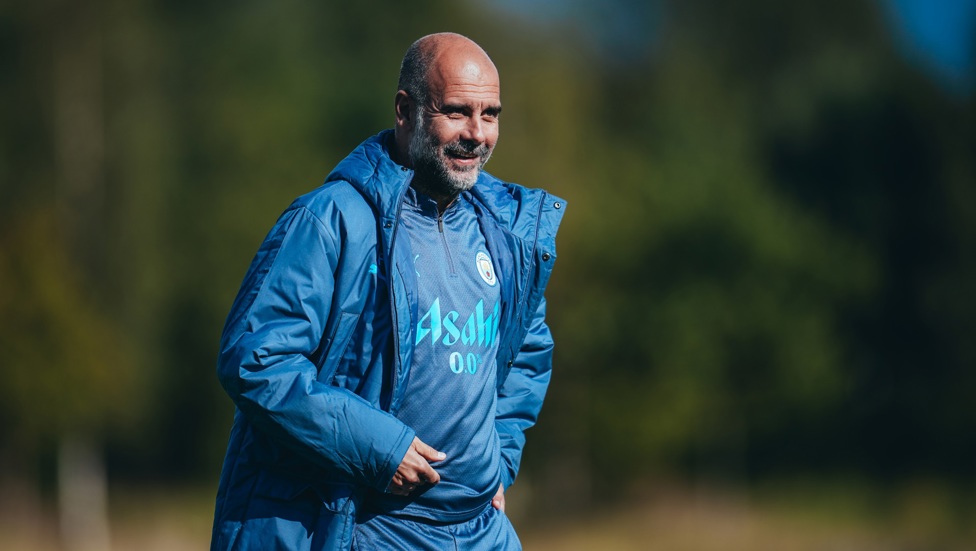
{"points": [[427, 452]]}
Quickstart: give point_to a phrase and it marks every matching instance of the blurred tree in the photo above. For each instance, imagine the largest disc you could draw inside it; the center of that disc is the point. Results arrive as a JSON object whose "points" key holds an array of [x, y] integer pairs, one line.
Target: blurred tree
{"points": [[757, 229], [68, 370], [767, 265]]}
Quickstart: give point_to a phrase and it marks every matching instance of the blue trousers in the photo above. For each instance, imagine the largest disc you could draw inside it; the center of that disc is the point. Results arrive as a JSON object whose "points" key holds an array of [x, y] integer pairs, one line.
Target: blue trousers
{"points": [[489, 531]]}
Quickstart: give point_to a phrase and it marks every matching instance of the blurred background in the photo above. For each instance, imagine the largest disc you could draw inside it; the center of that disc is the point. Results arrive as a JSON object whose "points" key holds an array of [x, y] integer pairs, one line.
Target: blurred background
{"points": [[764, 305]]}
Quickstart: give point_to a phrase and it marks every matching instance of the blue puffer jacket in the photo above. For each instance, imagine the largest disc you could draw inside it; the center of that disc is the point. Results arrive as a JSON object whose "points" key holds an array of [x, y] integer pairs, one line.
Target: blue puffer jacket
{"points": [[316, 350]]}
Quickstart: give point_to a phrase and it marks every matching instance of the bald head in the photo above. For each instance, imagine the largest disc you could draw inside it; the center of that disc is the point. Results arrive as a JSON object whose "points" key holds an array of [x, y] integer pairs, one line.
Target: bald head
{"points": [[432, 57]]}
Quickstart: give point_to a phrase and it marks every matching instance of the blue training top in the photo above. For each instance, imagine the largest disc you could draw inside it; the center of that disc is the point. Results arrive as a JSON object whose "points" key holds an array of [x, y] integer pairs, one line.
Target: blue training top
{"points": [[450, 395]]}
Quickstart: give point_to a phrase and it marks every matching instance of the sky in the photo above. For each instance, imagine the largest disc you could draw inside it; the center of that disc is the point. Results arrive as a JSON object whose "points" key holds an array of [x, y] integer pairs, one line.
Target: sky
{"points": [[938, 34]]}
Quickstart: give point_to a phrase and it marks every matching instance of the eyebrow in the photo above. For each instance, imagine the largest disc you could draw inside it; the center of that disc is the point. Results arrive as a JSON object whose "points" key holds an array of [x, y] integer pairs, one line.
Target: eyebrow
{"points": [[493, 110]]}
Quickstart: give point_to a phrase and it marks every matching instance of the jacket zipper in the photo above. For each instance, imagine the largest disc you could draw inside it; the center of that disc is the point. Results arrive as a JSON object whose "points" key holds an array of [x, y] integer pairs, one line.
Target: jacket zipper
{"points": [[523, 297], [391, 263]]}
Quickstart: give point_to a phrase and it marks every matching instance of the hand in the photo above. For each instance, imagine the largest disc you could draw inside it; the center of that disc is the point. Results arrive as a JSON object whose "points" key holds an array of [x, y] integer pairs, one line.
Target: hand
{"points": [[415, 468], [498, 502]]}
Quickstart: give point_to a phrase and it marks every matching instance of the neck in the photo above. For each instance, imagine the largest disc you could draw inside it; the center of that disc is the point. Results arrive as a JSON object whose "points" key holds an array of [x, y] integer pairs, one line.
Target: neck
{"points": [[399, 147], [443, 201]]}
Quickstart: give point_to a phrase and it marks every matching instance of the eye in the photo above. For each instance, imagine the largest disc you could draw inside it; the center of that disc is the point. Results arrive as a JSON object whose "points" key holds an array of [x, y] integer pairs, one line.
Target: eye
{"points": [[453, 111]]}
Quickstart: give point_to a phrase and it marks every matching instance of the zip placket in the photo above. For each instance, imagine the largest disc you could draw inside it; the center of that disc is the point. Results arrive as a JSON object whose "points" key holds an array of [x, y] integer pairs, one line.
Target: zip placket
{"points": [[447, 249]]}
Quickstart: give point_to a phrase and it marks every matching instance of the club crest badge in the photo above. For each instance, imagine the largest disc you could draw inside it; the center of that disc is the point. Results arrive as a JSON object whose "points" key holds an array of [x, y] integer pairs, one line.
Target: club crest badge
{"points": [[485, 268]]}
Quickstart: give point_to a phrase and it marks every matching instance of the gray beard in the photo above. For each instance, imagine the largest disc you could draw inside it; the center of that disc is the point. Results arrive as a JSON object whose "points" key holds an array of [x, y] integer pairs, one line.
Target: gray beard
{"points": [[432, 175]]}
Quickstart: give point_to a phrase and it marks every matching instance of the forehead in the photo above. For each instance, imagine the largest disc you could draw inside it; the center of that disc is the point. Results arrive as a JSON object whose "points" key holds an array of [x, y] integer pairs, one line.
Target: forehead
{"points": [[464, 80]]}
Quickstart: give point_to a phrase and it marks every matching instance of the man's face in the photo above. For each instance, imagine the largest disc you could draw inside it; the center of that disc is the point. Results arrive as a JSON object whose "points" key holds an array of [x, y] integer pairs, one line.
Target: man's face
{"points": [[457, 128]]}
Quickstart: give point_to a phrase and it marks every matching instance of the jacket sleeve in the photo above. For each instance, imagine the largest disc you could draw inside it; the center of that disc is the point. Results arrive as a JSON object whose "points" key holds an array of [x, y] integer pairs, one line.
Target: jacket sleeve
{"points": [[520, 397], [275, 326]]}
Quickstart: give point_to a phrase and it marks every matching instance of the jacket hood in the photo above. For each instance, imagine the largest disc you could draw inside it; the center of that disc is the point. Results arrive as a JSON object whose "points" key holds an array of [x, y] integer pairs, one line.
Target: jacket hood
{"points": [[371, 170]]}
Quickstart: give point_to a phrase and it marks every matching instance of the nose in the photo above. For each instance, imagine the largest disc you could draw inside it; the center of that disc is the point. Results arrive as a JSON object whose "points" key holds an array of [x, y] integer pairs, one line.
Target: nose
{"points": [[474, 131]]}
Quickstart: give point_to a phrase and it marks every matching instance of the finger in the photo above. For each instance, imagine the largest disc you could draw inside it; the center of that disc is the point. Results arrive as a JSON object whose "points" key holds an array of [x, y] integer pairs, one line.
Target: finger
{"points": [[420, 477], [498, 502], [430, 476], [403, 488], [428, 453]]}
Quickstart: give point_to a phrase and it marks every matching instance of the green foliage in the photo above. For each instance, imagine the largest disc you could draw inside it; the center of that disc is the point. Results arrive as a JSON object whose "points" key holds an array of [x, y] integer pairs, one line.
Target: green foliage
{"points": [[67, 368]]}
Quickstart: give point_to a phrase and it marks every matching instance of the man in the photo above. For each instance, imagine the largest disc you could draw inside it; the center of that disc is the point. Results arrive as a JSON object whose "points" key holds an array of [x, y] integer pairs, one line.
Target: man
{"points": [[387, 349]]}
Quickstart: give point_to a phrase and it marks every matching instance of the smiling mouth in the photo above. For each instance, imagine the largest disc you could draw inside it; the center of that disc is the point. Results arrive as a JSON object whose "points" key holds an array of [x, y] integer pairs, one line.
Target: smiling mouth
{"points": [[464, 162], [466, 158]]}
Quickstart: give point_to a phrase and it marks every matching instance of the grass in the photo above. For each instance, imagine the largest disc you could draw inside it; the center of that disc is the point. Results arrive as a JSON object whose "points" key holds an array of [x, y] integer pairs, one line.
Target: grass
{"points": [[811, 515], [785, 517]]}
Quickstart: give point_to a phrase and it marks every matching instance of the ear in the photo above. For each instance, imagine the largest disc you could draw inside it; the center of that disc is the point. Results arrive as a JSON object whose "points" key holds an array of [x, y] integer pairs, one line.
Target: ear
{"points": [[403, 107]]}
